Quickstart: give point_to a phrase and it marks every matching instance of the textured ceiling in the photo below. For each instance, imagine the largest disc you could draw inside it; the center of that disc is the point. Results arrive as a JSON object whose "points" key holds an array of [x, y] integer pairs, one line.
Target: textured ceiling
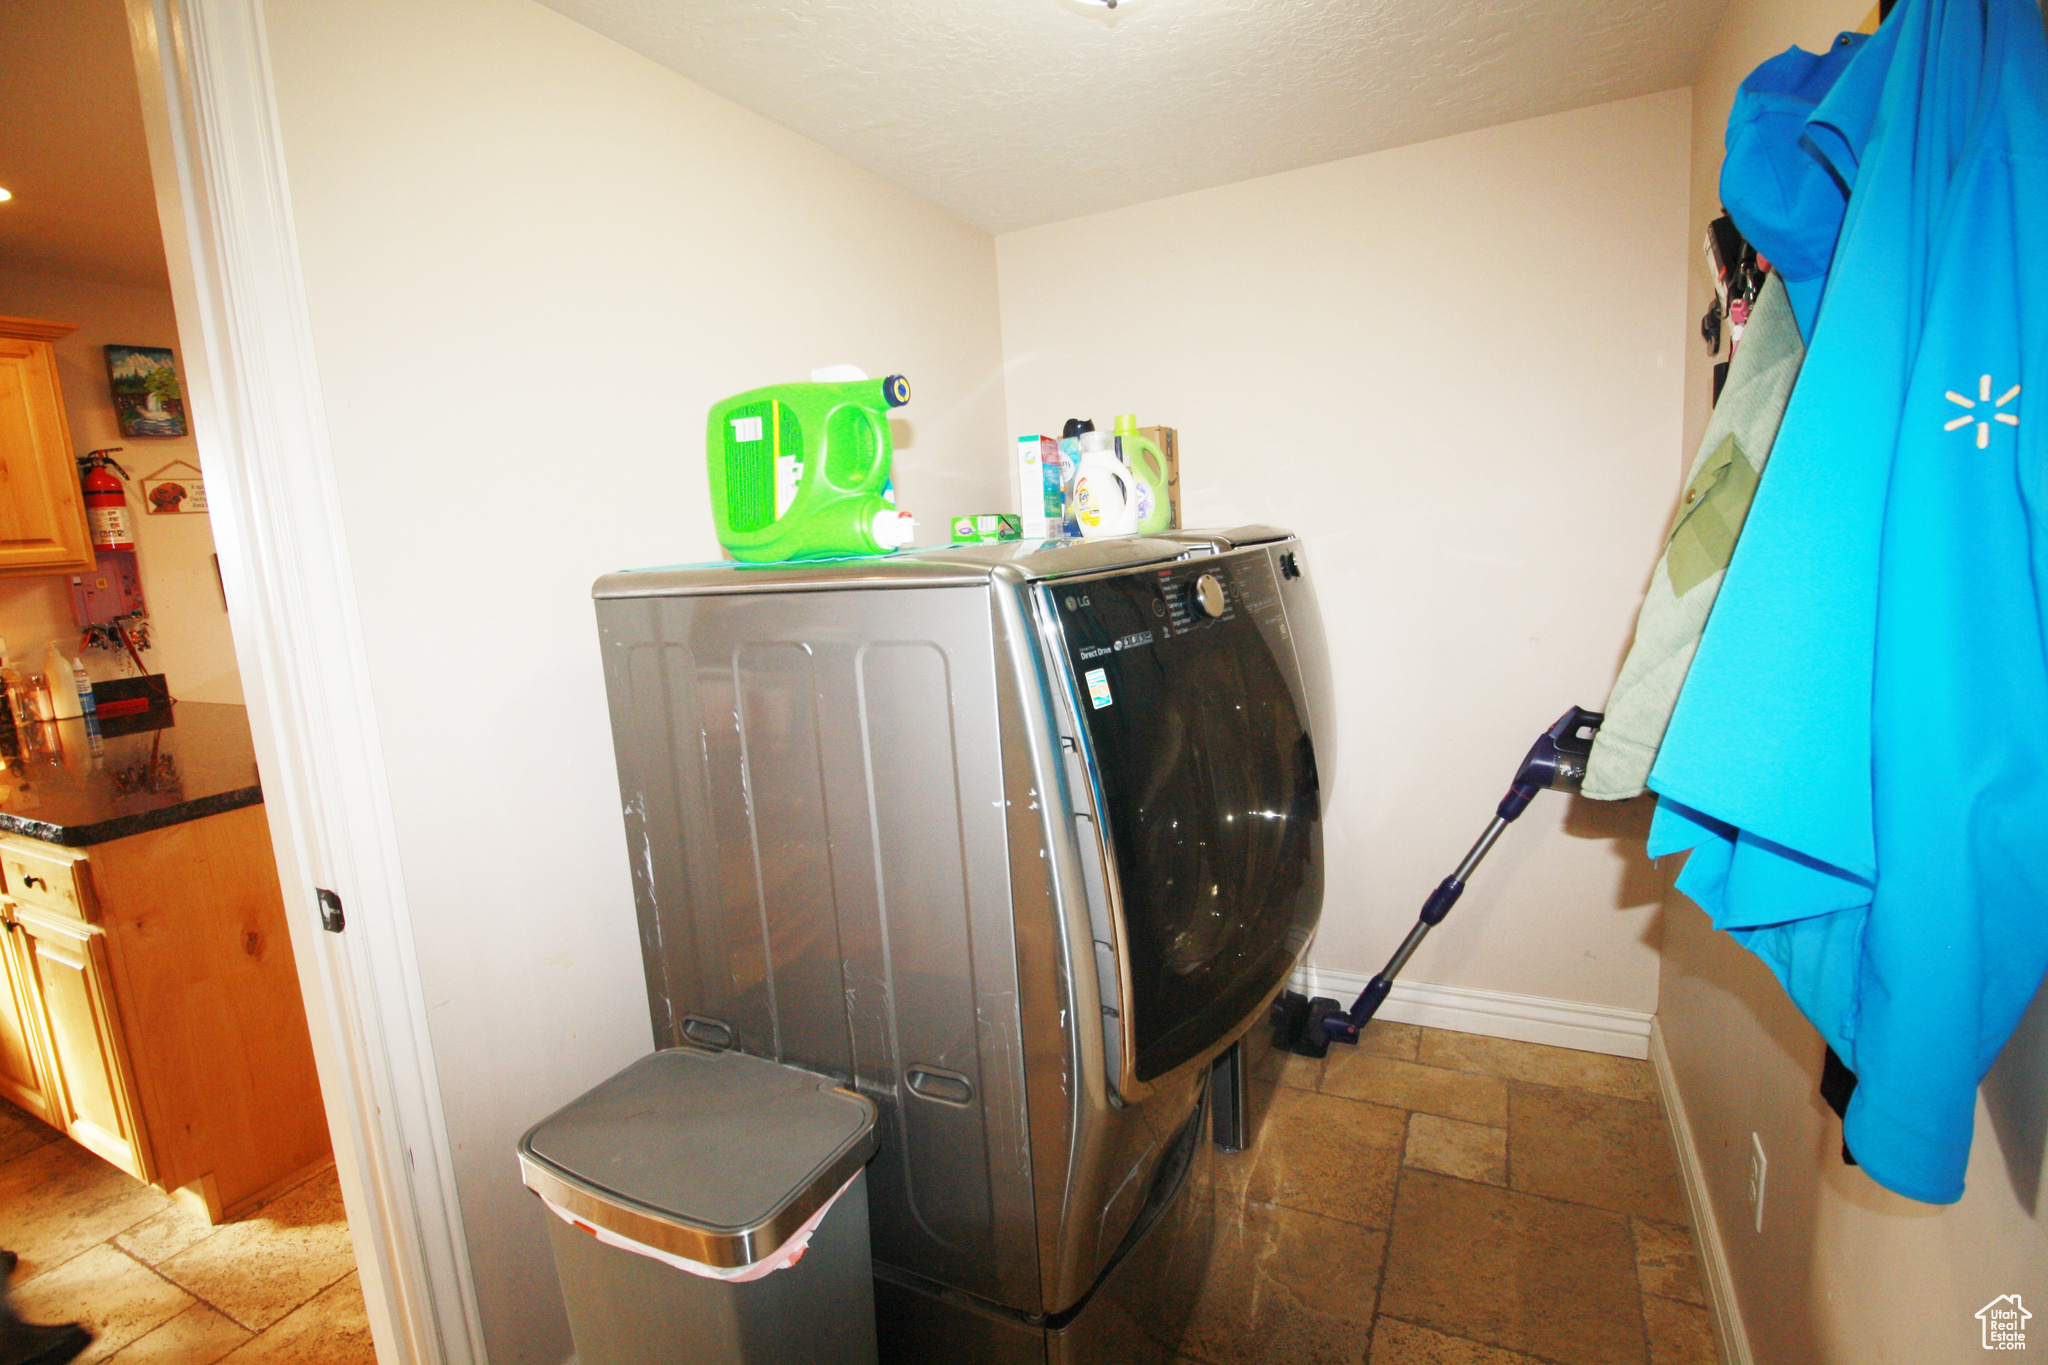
{"points": [[1011, 113], [71, 145]]}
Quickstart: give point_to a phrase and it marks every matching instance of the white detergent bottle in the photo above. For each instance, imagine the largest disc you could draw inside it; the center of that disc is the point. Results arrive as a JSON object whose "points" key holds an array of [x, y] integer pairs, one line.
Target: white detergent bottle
{"points": [[1105, 495], [63, 684]]}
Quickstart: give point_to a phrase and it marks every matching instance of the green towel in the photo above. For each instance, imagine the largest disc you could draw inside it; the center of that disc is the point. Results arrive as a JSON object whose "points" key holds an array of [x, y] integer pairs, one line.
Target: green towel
{"points": [[1718, 490]]}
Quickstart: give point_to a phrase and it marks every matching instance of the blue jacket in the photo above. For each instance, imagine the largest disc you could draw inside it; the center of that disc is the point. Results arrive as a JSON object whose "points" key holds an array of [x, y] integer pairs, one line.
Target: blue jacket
{"points": [[1860, 757]]}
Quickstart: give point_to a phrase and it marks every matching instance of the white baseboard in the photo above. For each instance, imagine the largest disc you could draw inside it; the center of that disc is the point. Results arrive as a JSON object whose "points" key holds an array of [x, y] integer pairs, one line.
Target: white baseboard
{"points": [[1527, 1018], [1714, 1271]]}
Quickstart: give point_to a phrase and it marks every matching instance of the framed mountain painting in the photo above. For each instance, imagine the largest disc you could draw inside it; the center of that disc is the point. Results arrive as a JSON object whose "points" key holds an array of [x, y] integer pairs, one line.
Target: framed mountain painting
{"points": [[146, 393]]}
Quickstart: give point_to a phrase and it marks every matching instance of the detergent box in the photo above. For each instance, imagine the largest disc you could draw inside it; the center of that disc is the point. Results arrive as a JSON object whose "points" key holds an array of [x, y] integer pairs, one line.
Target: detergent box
{"points": [[1042, 476], [987, 528]]}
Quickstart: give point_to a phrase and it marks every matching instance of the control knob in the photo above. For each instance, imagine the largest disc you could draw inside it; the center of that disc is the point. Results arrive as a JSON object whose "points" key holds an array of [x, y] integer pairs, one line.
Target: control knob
{"points": [[1208, 596]]}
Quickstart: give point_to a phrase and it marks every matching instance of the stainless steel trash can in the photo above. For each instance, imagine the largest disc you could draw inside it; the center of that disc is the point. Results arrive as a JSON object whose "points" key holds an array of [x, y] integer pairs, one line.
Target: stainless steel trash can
{"points": [[679, 1190]]}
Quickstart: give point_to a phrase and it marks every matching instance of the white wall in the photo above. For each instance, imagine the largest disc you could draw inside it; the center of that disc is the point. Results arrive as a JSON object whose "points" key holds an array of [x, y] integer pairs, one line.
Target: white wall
{"points": [[1843, 1272], [533, 262], [188, 617], [1454, 368]]}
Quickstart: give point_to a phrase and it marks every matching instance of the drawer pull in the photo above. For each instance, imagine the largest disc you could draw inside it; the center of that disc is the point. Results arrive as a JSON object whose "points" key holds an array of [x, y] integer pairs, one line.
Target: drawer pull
{"points": [[947, 1087], [29, 879]]}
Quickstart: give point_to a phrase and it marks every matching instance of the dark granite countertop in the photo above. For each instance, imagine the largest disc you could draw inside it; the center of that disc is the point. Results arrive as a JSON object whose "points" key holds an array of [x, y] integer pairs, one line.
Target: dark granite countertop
{"points": [[200, 763]]}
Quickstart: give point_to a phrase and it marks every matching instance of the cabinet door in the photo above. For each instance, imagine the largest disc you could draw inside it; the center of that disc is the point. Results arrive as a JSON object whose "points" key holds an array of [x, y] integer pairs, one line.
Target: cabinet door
{"points": [[22, 1069], [93, 1082], [42, 510]]}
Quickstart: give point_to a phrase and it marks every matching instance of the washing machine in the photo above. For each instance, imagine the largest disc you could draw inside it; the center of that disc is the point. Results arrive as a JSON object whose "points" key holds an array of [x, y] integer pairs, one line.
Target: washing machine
{"points": [[1017, 840]]}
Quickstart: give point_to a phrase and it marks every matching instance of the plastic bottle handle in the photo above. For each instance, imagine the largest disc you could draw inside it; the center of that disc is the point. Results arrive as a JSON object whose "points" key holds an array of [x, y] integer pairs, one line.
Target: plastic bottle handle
{"points": [[878, 437], [1129, 481], [1125, 480], [1140, 447]]}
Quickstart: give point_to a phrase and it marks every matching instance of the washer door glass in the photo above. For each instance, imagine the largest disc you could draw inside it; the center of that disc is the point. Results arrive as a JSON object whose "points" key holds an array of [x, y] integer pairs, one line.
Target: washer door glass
{"points": [[1186, 682]]}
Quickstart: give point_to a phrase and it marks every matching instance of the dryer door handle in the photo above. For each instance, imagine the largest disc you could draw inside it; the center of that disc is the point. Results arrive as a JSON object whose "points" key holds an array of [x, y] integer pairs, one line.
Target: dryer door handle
{"points": [[1109, 980]]}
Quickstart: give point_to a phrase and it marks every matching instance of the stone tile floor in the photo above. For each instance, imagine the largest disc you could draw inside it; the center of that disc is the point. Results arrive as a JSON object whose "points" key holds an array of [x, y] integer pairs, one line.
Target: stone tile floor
{"points": [[1437, 1198], [156, 1283], [1428, 1198]]}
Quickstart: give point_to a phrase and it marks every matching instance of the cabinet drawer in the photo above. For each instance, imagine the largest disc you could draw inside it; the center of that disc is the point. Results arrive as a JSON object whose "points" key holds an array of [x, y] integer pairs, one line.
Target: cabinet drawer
{"points": [[56, 879]]}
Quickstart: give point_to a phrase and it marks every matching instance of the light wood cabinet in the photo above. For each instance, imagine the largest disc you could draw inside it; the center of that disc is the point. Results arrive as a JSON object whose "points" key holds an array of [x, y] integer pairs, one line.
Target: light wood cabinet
{"points": [[42, 510], [158, 1007], [22, 1068], [89, 1069]]}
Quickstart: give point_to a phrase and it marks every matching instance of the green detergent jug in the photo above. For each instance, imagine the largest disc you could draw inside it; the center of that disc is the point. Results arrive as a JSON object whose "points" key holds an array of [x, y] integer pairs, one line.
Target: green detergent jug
{"points": [[1148, 466], [801, 471]]}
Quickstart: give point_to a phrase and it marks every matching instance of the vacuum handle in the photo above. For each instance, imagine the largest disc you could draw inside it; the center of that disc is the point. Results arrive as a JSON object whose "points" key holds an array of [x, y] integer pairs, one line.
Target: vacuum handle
{"points": [[1557, 760]]}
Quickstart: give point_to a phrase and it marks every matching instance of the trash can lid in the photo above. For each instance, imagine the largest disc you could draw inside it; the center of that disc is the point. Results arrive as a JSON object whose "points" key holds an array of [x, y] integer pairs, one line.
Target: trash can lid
{"points": [[716, 1157]]}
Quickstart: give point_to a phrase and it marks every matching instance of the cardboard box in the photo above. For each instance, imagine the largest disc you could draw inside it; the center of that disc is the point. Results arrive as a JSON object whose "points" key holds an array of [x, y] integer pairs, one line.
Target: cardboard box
{"points": [[986, 528], [1169, 446]]}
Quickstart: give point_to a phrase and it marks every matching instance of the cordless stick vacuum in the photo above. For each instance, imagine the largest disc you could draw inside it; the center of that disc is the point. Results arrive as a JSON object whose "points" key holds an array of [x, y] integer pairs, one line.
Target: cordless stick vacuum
{"points": [[1557, 760]]}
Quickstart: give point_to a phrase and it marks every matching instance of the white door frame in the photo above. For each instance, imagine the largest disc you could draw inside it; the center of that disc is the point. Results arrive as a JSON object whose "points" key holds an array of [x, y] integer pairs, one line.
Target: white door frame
{"points": [[253, 387]]}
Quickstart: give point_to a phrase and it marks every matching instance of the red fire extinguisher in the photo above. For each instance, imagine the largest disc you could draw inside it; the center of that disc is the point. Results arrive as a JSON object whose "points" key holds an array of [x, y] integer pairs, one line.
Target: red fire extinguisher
{"points": [[106, 501]]}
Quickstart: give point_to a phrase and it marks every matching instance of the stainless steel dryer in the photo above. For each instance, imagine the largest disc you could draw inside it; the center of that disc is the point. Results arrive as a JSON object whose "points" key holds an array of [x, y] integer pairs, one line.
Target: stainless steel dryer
{"points": [[1017, 839]]}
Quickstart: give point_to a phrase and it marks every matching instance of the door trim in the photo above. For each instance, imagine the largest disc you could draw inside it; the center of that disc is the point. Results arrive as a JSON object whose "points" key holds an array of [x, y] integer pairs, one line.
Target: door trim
{"points": [[216, 156]]}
